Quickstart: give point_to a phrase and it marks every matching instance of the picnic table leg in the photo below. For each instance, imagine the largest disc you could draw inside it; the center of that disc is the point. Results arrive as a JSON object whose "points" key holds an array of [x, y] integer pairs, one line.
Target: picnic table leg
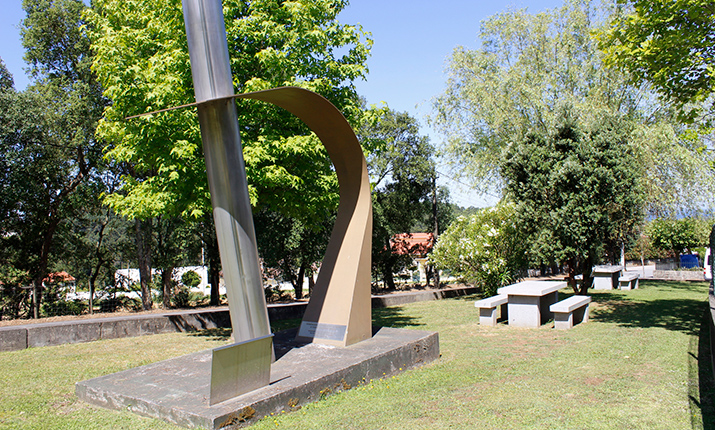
{"points": [[545, 303], [524, 311]]}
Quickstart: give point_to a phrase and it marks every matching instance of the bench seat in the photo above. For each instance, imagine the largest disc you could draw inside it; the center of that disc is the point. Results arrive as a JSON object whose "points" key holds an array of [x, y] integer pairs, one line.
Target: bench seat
{"points": [[570, 311], [488, 309], [628, 281]]}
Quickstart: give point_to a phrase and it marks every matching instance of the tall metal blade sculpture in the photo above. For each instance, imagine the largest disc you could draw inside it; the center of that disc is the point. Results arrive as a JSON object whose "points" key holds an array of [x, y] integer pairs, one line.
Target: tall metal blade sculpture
{"points": [[211, 72], [339, 312]]}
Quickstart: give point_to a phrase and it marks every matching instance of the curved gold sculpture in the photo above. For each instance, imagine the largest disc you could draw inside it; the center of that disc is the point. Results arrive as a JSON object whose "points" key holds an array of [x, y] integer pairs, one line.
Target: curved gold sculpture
{"points": [[339, 311]]}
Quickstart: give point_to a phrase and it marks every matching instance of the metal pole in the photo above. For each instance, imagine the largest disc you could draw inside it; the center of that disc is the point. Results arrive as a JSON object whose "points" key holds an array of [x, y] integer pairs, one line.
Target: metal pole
{"points": [[211, 72]]}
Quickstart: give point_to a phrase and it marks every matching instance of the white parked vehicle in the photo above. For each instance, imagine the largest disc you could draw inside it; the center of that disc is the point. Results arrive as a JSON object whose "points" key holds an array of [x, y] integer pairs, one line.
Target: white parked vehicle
{"points": [[707, 265]]}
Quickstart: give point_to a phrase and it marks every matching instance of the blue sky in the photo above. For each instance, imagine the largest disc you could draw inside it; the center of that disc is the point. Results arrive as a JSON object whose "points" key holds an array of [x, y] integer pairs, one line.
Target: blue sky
{"points": [[412, 41]]}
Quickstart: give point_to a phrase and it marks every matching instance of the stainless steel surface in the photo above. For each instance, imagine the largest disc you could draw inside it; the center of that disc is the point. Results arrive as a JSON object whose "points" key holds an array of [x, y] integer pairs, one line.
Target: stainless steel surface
{"points": [[211, 71], [240, 368]]}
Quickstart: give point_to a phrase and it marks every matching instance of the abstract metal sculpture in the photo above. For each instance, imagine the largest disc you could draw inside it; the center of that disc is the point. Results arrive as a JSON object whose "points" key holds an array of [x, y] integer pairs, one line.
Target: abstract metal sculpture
{"points": [[339, 311]]}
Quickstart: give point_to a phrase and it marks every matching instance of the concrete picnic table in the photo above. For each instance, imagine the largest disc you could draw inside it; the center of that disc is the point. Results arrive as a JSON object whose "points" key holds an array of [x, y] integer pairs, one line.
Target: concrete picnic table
{"points": [[529, 301], [606, 277]]}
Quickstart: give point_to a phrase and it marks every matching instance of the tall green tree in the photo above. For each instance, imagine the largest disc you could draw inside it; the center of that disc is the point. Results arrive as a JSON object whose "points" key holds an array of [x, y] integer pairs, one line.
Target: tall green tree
{"points": [[575, 190], [142, 60], [94, 238], [670, 44], [528, 70], [48, 134], [401, 171]]}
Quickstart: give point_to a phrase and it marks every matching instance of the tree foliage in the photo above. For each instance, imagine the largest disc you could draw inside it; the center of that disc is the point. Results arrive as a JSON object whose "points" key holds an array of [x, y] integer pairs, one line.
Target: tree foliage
{"points": [[487, 248], [675, 235], [670, 44], [142, 60], [401, 171], [48, 146], [575, 190], [528, 71]]}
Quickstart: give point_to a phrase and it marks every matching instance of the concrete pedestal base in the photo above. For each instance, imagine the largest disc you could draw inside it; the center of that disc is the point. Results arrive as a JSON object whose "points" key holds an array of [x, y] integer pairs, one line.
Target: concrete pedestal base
{"points": [[606, 277], [177, 390], [531, 311], [565, 321]]}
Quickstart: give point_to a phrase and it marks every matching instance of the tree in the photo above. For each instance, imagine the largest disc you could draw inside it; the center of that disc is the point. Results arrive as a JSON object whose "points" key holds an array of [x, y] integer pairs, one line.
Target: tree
{"points": [[574, 190], [675, 235], [174, 243], [291, 246], [670, 44], [529, 70], [271, 43], [142, 60], [401, 170], [48, 145], [487, 248], [94, 239]]}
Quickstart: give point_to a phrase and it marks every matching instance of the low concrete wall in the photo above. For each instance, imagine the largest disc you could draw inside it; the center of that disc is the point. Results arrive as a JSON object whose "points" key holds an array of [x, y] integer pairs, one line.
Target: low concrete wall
{"points": [[679, 275], [420, 296], [57, 333]]}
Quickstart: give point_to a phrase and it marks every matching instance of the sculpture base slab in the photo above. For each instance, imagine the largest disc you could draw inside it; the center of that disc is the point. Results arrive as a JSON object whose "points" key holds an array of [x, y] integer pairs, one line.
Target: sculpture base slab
{"points": [[177, 390]]}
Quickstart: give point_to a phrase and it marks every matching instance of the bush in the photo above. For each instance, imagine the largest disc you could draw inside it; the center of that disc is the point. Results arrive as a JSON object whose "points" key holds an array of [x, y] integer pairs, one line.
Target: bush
{"points": [[63, 307], [486, 249], [182, 298], [191, 279]]}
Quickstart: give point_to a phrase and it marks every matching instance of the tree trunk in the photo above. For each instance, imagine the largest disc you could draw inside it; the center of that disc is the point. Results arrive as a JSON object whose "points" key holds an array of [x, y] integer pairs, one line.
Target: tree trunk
{"points": [[587, 272], [435, 232], [166, 286], [298, 286], [311, 284], [36, 297], [388, 277], [623, 255], [143, 242], [91, 297]]}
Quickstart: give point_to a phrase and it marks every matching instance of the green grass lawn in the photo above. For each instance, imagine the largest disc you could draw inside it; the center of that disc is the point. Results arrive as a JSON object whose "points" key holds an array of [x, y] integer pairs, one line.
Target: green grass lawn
{"points": [[635, 365]]}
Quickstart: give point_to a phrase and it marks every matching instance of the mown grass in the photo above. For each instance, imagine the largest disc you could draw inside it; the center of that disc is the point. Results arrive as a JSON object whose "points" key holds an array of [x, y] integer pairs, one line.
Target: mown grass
{"points": [[636, 365]]}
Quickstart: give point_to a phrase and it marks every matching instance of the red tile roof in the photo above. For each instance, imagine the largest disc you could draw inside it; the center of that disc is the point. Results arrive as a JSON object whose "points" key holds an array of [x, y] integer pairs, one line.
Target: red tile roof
{"points": [[58, 277], [417, 244]]}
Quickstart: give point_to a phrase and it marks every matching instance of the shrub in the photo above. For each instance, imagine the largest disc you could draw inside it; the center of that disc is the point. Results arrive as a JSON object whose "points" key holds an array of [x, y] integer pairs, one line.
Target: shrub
{"points": [[191, 279], [63, 307], [486, 249]]}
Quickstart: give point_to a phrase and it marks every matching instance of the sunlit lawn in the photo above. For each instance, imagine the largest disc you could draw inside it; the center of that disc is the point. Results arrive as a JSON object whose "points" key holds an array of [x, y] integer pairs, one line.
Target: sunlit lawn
{"points": [[635, 365]]}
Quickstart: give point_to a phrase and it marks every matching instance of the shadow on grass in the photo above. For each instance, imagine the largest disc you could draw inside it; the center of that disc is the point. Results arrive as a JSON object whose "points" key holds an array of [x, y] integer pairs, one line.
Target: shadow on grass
{"points": [[675, 286], [221, 333], [671, 314], [701, 387], [393, 317]]}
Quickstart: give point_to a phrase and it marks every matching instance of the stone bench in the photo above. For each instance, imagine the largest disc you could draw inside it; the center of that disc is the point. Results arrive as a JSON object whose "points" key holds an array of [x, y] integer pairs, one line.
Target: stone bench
{"points": [[628, 281], [488, 309], [570, 311]]}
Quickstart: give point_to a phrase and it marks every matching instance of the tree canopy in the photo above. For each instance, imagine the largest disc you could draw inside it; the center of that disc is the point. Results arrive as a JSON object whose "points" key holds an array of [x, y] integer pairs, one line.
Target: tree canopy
{"points": [[575, 190], [402, 169], [528, 71], [670, 44], [47, 146], [142, 61]]}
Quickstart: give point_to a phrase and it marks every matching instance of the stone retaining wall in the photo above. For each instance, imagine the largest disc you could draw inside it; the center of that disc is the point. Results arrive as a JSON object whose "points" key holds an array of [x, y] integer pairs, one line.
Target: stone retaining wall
{"points": [[56, 333], [679, 275]]}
